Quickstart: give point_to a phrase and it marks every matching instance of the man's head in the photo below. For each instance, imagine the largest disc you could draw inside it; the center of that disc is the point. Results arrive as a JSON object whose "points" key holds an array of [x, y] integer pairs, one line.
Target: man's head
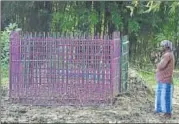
{"points": [[166, 45]]}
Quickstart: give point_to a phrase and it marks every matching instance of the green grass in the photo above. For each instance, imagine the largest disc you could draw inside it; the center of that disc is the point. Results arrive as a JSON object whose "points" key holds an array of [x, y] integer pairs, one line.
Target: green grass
{"points": [[150, 78], [5, 75], [176, 81], [5, 81]]}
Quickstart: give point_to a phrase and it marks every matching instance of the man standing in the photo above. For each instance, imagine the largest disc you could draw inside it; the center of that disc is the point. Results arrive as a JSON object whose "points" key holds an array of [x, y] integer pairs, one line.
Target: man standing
{"points": [[164, 77]]}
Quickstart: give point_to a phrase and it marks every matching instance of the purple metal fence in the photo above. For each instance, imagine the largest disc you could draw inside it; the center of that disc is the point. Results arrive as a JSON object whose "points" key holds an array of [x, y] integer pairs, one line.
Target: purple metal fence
{"points": [[52, 70]]}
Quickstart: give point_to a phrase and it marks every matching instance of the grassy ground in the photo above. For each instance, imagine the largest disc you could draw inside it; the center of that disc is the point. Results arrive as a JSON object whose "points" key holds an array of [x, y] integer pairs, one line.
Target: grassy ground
{"points": [[5, 75], [149, 77]]}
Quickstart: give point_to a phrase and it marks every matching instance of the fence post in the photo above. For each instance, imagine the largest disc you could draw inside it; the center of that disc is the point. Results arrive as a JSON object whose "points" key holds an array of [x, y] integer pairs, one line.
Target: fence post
{"points": [[115, 64], [14, 64]]}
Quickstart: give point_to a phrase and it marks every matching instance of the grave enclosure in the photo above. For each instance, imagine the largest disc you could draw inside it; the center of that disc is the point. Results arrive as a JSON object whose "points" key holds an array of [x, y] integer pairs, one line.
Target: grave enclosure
{"points": [[49, 69]]}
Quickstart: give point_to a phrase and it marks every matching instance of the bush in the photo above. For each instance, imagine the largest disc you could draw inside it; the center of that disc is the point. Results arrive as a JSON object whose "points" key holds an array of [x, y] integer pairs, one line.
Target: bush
{"points": [[4, 47]]}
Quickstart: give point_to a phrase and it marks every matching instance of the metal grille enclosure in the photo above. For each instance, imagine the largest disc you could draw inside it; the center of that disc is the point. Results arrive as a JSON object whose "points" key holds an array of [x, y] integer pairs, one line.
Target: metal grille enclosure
{"points": [[49, 69]]}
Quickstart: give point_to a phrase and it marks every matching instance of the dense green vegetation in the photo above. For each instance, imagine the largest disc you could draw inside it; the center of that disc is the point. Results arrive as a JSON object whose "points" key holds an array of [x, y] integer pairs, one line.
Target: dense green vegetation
{"points": [[145, 22]]}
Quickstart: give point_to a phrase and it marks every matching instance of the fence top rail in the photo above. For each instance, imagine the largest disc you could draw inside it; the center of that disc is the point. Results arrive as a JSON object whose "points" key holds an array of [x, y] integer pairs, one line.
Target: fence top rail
{"points": [[66, 39], [57, 35]]}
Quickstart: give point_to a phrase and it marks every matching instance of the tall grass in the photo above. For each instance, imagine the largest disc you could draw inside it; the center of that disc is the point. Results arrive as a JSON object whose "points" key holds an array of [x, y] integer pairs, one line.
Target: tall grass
{"points": [[5, 74], [149, 78]]}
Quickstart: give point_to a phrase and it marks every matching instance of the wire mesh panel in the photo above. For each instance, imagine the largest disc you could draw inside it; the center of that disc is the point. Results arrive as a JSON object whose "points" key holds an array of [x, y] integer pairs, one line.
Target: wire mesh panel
{"points": [[124, 64], [49, 69], [115, 64]]}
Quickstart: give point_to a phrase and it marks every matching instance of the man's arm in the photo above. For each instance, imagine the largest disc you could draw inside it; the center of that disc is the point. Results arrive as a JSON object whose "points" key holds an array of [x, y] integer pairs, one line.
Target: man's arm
{"points": [[163, 62]]}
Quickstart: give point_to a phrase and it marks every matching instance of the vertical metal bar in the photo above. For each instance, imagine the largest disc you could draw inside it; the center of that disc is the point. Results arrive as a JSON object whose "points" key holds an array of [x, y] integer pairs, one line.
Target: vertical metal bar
{"points": [[90, 68], [87, 68], [108, 72], [35, 62], [83, 60], [121, 64], [97, 68], [39, 57], [118, 61], [32, 68], [23, 58], [50, 64], [63, 63], [28, 61], [46, 58], [111, 66], [51, 57], [78, 64], [10, 64], [31, 60], [51, 60], [103, 67], [42, 59], [25, 62], [99, 56], [72, 80], [74, 63], [55, 60], [17, 51], [58, 55], [67, 64], [19, 63], [127, 87]]}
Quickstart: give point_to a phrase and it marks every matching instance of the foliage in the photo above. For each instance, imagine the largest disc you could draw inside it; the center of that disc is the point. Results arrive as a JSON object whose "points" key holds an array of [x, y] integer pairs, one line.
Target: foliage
{"points": [[146, 22], [5, 47], [5, 42], [133, 26]]}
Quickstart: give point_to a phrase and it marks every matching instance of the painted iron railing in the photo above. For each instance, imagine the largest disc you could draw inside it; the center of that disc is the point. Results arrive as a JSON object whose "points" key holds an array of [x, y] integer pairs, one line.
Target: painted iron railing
{"points": [[50, 69]]}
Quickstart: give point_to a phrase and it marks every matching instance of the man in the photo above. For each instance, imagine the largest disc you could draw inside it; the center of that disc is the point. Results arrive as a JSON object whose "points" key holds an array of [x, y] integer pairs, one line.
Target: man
{"points": [[164, 77]]}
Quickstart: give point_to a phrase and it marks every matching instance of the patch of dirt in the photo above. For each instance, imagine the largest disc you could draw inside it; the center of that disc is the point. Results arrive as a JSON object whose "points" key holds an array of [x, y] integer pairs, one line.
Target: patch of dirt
{"points": [[134, 106]]}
